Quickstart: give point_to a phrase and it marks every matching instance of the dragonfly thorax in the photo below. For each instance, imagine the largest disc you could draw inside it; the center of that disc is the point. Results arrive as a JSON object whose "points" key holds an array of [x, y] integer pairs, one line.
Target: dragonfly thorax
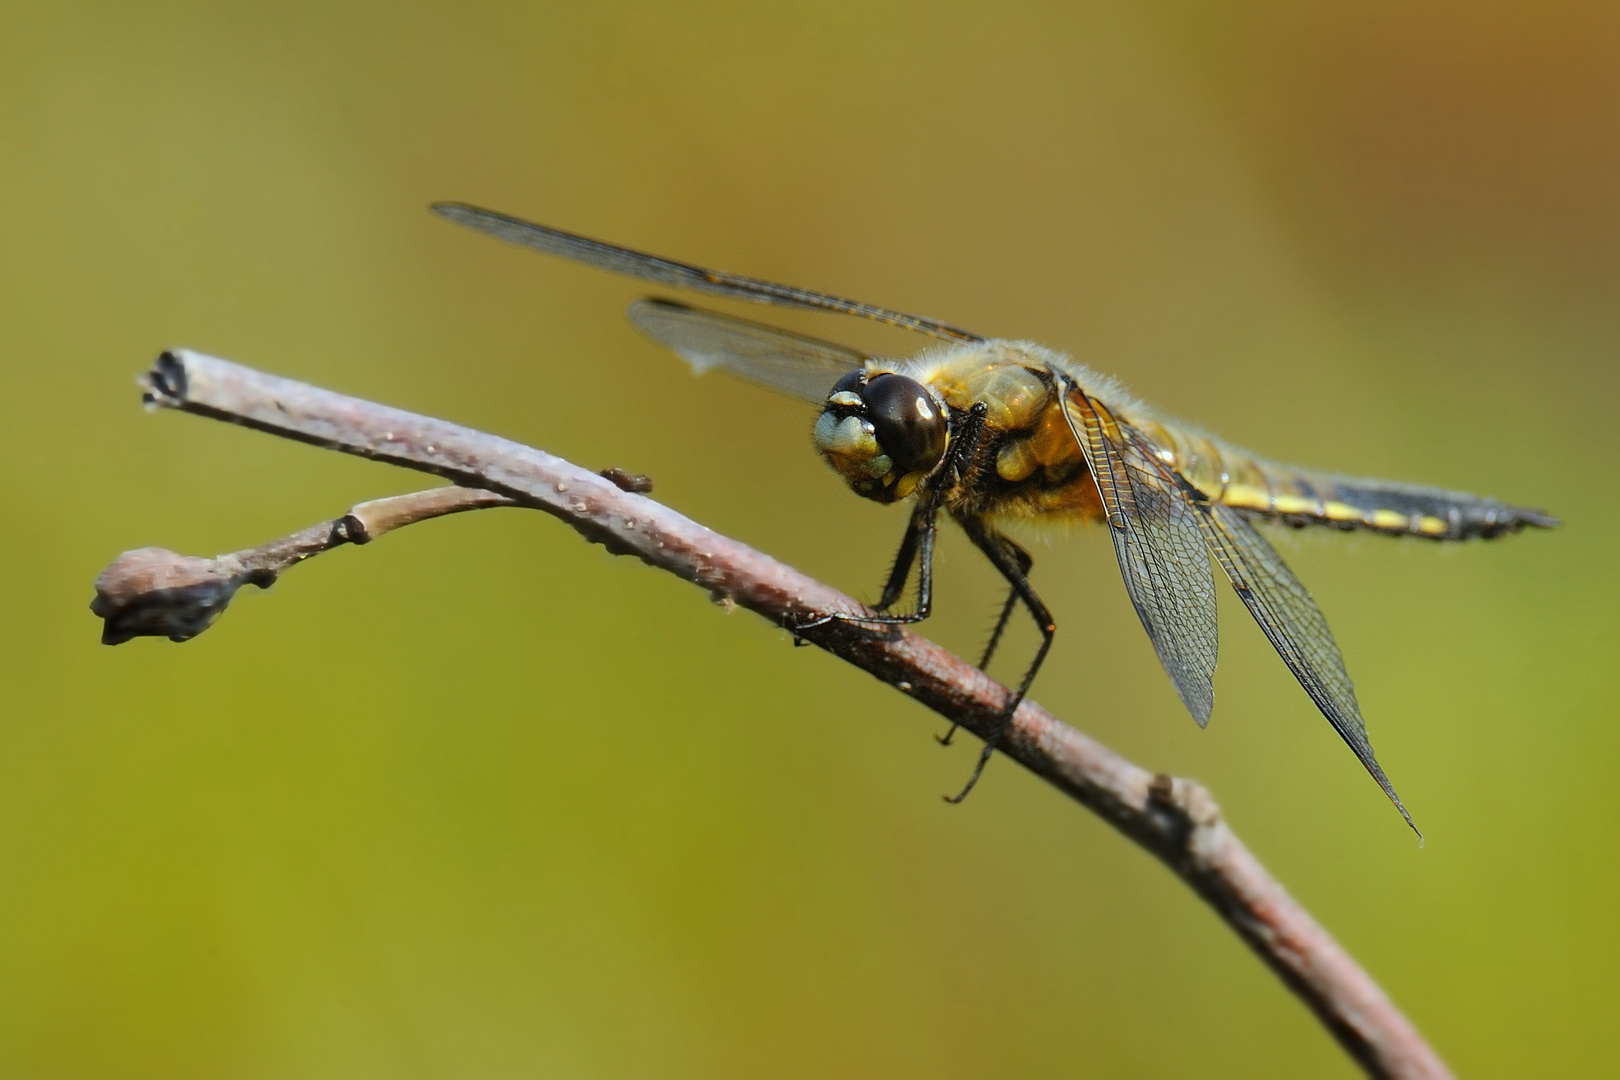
{"points": [[883, 433]]}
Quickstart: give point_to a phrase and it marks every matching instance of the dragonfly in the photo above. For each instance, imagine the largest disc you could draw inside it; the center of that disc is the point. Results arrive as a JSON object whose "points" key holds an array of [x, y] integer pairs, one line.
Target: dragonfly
{"points": [[996, 434]]}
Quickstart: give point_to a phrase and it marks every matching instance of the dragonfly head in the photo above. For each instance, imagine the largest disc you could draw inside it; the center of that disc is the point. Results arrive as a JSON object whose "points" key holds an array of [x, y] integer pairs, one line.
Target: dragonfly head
{"points": [[883, 433]]}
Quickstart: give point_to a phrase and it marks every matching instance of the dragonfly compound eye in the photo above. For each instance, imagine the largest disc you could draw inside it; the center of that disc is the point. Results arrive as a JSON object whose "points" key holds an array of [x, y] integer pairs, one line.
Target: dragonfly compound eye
{"points": [[908, 423], [852, 381]]}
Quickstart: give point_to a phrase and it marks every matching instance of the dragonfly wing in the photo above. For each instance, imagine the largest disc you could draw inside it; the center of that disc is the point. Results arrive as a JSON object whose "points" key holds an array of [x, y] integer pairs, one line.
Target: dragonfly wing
{"points": [[1293, 622], [1160, 546], [805, 367], [622, 260]]}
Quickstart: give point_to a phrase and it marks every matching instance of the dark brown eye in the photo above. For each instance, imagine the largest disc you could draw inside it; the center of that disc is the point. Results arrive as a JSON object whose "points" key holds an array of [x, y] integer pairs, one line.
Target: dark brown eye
{"points": [[908, 424], [851, 381]]}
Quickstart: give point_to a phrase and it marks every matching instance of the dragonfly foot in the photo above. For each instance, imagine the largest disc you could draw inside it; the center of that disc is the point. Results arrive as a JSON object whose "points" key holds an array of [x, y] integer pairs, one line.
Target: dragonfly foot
{"points": [[984, 756]]}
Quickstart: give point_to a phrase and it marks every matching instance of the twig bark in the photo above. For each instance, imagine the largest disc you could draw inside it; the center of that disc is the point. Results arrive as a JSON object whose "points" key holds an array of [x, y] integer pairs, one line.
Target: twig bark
{"points": [[1175, 819]]}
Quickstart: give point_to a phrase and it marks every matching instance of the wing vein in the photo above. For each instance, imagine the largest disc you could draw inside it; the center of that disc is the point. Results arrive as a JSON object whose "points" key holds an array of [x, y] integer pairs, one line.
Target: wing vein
{"points": [[1159, 546], [623, 260], [1296, 628]]}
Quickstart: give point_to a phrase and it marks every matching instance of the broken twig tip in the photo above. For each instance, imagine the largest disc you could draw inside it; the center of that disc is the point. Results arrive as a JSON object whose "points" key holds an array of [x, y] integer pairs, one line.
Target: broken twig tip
{"points": [[164, 384]]}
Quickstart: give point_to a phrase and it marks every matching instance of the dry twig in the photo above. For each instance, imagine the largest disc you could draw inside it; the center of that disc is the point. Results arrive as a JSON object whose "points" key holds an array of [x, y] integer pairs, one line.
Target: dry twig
{"points": [[156, 592]]}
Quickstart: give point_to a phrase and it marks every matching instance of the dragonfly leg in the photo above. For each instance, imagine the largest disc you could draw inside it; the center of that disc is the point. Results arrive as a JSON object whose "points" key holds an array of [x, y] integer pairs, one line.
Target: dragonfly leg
{"points": [[1000, 551], [917, 547], [1024, 563], [895, 587]]}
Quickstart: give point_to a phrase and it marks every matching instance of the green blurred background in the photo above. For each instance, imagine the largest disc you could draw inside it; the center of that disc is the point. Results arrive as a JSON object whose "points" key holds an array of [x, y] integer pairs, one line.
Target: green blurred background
{"points": [[482, 801]]}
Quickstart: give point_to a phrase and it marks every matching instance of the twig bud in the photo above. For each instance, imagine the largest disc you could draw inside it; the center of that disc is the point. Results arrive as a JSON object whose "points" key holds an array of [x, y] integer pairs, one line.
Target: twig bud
{"points": [[155, 592]]}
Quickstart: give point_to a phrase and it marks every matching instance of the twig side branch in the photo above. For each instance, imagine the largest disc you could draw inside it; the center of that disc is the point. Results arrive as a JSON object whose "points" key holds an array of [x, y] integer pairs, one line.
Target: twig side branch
{"points": [[155, 592], [1176, 820]]}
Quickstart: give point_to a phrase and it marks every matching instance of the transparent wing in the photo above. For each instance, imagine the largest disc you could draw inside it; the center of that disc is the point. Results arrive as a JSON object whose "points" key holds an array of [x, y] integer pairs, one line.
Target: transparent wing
{"points": [[622, 260], [805, 367], [1160, 546], [1291, 619]]}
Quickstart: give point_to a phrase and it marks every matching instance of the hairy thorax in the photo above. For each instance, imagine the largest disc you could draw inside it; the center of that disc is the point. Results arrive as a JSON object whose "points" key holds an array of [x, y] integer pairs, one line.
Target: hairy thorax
{"points": [[1028, 463]]}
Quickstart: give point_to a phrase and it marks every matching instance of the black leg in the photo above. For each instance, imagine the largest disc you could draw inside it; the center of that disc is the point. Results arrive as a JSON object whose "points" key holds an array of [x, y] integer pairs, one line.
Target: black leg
{"points": [[1024, 564], [995, 548], [916, 547], [895, 587]]}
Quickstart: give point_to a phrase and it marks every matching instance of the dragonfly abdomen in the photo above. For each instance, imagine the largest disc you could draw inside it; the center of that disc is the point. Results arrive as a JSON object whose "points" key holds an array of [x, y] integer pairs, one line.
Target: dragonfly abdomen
{"points": [[1386, 506], [1299, 499], [1263, 489]]}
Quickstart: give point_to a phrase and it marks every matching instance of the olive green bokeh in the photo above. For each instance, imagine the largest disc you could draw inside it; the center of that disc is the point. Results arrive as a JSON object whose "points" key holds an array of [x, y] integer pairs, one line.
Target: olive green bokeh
{"points": [[481, 800]]}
